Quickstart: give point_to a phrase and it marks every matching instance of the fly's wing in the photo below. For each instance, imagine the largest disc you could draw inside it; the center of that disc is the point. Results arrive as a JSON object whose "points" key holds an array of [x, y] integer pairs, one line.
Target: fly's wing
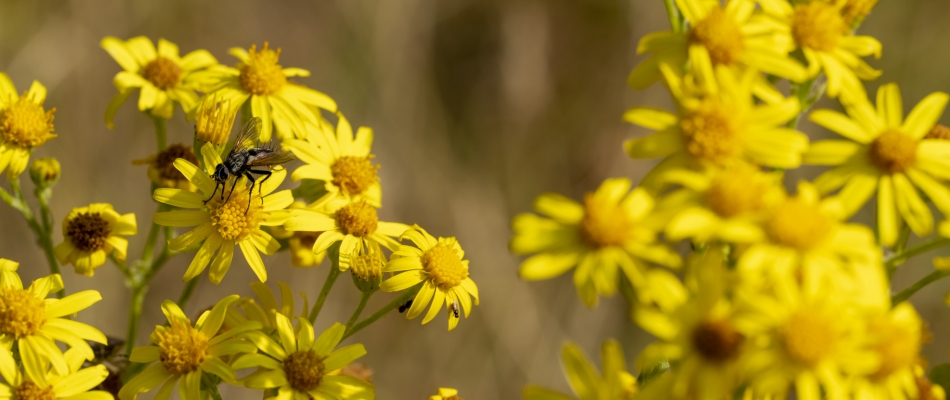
{"points": [[249, 136], [268, 159]]}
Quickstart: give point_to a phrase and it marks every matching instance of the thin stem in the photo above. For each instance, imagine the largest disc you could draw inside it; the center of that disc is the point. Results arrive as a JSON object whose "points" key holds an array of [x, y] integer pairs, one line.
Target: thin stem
{"points": [[135, 313], [43, 235], [673, 13], [334, 253], [364, 298], [246, 112], [923, 282], [160, 132], [902, 239], [186, 293], [924, 247], [213, 390], [402, 299], [121, 265]]}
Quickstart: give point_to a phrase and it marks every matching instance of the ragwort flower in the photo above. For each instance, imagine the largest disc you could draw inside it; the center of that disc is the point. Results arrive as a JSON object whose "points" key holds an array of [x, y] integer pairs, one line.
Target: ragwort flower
{"points": [[74, 385], [616, 383], [161, 167], [895, 336], [23, 124], [92, 233], [162, 76]]}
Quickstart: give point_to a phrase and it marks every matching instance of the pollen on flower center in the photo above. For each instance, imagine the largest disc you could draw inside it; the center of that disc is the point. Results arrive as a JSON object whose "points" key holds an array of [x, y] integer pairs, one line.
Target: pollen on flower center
{"points": [[234, 220], [31, 391], [353, 175], [165, 162], [163, 73], [893, 152], [304, 370], [737, 192], [604, 224], [809, 336], [713, 132], [897, 347], [818, 25], [182, 348], [262, 75], [357, 218], [720, 35], [799, 224], [25, 124], [444, 266], [21, 313], [88, 231], [716, 340]]}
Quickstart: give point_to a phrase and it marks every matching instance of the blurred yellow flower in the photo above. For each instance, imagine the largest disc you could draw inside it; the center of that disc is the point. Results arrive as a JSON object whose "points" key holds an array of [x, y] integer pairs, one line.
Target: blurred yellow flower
{"points": [[888, 154], [258, 78], [895, 336], [92, 233], [302, 366], [24, 124], [614, 229], [162, 76], [446, 394], [440, 266], [214, 120], [265, 313], [161, 167], [184, 352], [586, 382], [339, 159], [75, 384]]}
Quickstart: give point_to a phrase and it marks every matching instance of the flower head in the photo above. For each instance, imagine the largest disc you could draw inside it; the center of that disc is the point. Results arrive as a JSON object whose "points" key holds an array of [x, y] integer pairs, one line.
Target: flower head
{"points": [[225, 219], [45, 172], [616, 383], [161, 167], [162, 76], [214, 120], [446, 394], [440, 266], [24, 124], [184, 352], [91, 234], [77, 382]]}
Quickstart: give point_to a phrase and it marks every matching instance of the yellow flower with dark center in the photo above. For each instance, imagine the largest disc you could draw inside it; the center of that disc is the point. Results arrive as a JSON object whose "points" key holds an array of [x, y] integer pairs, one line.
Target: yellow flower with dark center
{"points": [[301, 365], [731, 35], [92, 233], [613, 231], [339, 159], [222, 224], [717, 128], [279, 103], [34, 323], [184, 352], [888, 154], [161, 167], [162, 76], [446, 394], [354, 224], [24, 124], [616, 383], [440, 266], [214, 120], [77, 383]]}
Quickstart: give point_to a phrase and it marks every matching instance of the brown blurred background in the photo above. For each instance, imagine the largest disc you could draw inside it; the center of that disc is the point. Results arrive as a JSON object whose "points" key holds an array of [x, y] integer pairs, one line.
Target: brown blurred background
{"points": [[477, 106]]}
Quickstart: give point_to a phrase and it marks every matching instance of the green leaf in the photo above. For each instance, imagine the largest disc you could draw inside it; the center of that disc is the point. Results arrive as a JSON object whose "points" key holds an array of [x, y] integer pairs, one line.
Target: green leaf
{"points": [[310, 190], [653, 372], [940, 375]]}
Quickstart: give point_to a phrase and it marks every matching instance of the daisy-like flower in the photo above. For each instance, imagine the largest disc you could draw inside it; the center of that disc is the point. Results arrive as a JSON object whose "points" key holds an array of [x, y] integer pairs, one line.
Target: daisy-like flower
{"points": [[258, 78], [24, 124], [446, 394], [440, 266], [161, 167], [888, 154], [727, 204], [586, 382], [895, 336], [354, 224], [75, 384], [91, 233], [222, 224], [265, 312], [734, 35], [717, 128], [301, 366], [184, 352], [339, 159], [614, 230], [34, 323], [162, 76], [300, 243], [214, 120]]}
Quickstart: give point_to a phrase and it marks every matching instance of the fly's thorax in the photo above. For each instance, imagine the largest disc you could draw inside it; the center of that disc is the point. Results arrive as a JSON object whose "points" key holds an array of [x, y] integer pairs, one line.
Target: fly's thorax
{"points": [[236, 162]]}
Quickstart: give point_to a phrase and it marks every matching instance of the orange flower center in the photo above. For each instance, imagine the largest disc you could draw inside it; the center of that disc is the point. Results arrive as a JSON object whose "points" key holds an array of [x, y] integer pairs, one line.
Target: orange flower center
{"points": [[21, 313], [799, 225], [234, 220], [604, 224], [163, 73], [713, 132], [262, 75], [444, 266], [304, 370], [31, 391], [353, 175], [818, 26], [809, 336], [720, 35], [88, 231], [893, 152], [182, 348], [357, 218], [25, 124]]}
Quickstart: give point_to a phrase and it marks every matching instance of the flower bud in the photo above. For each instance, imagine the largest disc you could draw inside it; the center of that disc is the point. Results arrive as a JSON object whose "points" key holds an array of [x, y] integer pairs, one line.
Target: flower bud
{"points": [[214, 121], [367, 268], [45, 171]]}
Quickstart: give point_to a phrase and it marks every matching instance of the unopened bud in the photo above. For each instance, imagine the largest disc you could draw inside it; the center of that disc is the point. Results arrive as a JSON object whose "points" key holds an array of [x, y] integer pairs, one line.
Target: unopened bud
{"points": [[45, 171]]}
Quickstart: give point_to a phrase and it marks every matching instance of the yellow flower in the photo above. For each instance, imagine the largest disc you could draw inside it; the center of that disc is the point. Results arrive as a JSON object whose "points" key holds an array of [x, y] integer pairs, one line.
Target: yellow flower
{"points": [[162, 75], [23, 124], [301, 243], [45, 172], [927, 390], [615, 383], [727, 204], [273, 98], [354, 224], [91, 233], [854, 11], [446, 394], [34, 323], [300, 365], [75, 384], [889, 154], [265, 313], [717, 128], [214, 120], [733, 35], [161, 167], [440, 266], [343, 162], [895, 336], [222, 224], [8, 275], [614, 229], [184, 352]]}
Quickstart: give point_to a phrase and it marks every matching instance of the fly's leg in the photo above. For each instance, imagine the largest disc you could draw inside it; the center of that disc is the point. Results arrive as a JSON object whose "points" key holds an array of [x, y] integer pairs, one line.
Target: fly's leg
{"points": [[231, 192], [249, 191], [260, 189], [216, 184]]}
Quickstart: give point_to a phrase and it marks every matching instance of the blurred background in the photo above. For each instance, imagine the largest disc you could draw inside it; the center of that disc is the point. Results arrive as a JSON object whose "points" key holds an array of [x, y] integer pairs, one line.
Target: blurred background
{"points": [[478, 106]]}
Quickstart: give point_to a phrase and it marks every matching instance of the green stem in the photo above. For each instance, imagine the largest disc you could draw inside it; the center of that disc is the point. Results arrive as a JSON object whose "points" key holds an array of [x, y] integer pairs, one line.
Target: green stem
{"points": [[135, 313], [186, 293], [923, 282], [924, 247], [402, 299], [673, 13], [213, 390], [43, 234], [364, 298], [246, 112], [160, 136], [334, 254]]}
